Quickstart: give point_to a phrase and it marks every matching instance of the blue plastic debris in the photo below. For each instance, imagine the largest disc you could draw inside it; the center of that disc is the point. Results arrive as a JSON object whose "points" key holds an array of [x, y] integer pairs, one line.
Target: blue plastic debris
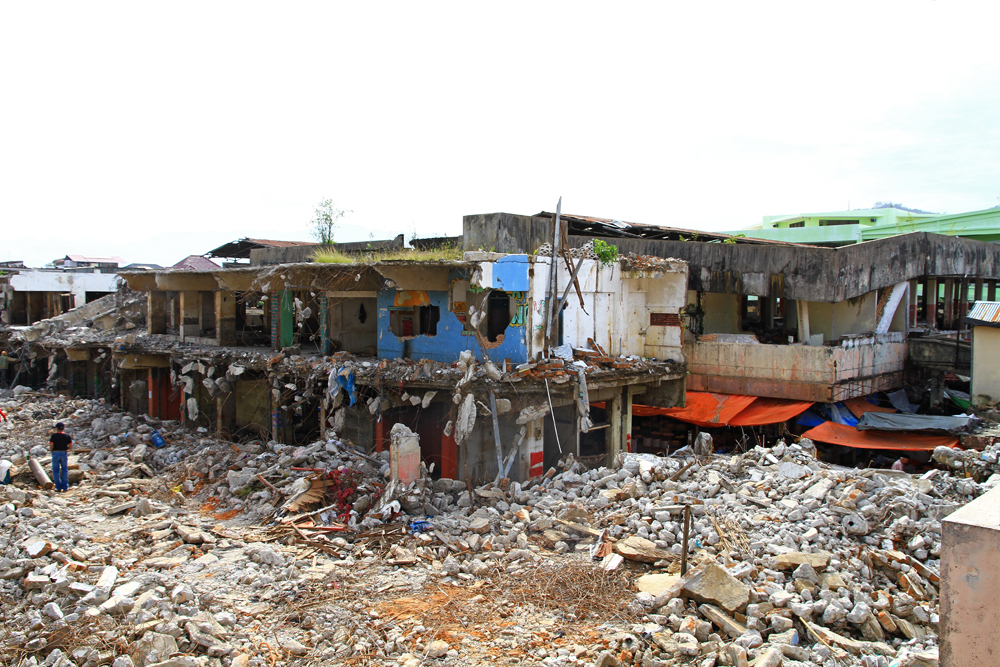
{"points": [[419, 526]]}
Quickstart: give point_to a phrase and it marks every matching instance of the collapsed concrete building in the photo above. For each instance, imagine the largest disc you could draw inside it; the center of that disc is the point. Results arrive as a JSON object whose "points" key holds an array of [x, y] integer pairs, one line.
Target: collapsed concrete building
{"points": [[30, 295], [469, 353], [785, 320], [451, 349]]}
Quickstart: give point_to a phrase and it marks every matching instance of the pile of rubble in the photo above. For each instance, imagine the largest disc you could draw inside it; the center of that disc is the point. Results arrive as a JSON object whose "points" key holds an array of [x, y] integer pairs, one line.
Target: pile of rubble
{"points": [[205, 551]]}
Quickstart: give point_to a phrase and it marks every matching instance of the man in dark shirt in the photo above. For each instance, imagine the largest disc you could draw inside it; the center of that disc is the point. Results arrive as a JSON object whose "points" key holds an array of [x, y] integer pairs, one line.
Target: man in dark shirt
{"points": [[60, 457]]}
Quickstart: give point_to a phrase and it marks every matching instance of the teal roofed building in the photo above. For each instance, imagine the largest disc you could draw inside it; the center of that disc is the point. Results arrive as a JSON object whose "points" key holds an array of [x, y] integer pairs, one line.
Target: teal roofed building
{"points": [[840, 228]]}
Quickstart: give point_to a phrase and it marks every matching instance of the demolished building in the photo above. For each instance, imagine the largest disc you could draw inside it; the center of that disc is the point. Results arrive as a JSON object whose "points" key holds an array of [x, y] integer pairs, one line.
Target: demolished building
{"points": [[451, 349], [290, 350]]}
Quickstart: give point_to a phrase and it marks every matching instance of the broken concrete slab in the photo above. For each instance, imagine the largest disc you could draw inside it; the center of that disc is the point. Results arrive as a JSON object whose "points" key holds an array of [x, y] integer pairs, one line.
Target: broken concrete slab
{"points": [[714, 585], [793, 559]]}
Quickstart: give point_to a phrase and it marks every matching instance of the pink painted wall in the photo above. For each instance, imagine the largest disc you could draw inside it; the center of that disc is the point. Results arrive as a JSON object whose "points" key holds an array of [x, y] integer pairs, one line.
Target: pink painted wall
{"points": [[970, 584]]}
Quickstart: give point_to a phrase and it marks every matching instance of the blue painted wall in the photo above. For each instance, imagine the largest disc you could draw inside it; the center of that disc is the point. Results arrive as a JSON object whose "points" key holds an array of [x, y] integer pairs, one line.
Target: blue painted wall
{"points": [[449, 341]]}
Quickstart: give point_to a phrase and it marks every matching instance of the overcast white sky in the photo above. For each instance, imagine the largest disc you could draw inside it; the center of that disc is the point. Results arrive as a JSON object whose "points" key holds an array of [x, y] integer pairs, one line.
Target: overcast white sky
{"points": [[158, 130]]}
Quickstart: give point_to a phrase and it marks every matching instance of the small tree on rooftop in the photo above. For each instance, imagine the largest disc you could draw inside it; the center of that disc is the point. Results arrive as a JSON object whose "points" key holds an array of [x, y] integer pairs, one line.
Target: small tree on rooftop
{"points": [[324, 222]]}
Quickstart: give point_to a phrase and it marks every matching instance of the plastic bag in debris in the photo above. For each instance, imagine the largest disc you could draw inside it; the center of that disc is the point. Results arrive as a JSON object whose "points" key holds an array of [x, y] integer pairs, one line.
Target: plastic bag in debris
{"points": [[342, 377], [563, 352]]}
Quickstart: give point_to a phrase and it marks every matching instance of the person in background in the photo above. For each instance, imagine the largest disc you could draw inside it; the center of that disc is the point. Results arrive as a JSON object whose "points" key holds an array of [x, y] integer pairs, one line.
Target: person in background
{"points": [[4, 365], [60, 457], [901, 464]]}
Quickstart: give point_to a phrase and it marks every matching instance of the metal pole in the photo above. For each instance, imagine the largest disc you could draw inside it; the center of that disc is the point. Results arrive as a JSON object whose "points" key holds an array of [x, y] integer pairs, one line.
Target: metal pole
{"points": [[553, 279], [496, 432]]}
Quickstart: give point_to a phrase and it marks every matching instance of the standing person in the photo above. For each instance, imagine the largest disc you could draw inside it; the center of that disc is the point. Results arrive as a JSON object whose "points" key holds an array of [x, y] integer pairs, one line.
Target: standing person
{"points": [[4, 365], [60, 457]]}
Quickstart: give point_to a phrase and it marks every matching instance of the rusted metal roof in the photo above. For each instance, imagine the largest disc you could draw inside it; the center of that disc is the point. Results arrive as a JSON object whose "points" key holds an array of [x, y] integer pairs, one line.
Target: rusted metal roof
{"points": [[240, 249], [984, 313], [586, 225]]}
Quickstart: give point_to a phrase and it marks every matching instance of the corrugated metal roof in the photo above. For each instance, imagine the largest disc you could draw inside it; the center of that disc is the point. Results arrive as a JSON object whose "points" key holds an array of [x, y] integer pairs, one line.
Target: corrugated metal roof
{"points": [[586, 225], [240, 249], [985, 311]]}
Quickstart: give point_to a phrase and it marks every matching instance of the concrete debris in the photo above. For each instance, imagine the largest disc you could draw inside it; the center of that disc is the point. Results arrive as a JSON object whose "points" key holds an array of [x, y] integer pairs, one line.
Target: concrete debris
{"points": [[205, 552]]}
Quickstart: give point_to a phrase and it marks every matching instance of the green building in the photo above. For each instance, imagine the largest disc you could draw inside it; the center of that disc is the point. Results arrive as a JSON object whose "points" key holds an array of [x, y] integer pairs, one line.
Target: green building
{"points": [[839, 228]]}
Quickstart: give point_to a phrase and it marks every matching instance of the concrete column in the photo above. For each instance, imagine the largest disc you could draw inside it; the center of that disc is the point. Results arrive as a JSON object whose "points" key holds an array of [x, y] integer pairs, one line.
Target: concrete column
{"points": [[977, 295], [803, 313], [404, 455], [156, 312], [912, 319], [275, 315], [154, 393], [27, 309], [532, 453], [190, 325], [324, 324], [225, 410], [961, 303], [225, 317], [932, 301], [627, 419], [991, 290], [949, 304], [614, 444]]}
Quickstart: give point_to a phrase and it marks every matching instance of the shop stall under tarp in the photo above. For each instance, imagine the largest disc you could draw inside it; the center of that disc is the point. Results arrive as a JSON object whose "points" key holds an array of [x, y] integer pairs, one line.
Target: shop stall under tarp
{"points": [[709, 410], [848, 436]]}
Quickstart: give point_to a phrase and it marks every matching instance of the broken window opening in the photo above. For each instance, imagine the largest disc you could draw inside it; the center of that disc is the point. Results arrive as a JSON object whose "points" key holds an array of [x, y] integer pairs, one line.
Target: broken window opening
{"points": [[362, 313], [412, 322], [497, 315], [749, 312]]}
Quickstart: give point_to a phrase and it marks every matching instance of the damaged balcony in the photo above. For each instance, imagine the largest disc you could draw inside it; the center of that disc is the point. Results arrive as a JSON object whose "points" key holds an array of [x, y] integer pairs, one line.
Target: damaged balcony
{"points": [[801, 350]]}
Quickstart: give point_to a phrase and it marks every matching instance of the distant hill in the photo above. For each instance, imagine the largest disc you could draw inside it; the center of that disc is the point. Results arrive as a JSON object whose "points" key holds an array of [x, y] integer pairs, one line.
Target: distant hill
{"points": [[889, 204]]}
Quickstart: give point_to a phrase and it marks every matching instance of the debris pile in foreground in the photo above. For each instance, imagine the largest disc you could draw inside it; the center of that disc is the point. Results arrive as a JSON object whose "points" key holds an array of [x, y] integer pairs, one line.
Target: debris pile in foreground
{"points": [[207, 552]]}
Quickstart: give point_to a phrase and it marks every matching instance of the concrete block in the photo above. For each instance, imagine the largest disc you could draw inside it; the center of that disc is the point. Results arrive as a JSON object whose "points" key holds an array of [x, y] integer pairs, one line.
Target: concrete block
{"points": [[970, 578], [404, 454]]}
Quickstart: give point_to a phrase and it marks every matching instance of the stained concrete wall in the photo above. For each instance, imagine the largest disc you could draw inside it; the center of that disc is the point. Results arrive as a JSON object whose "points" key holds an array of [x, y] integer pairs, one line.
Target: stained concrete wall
{"points": [[722, 311], [780, 270], [970, 579], [347, 331], [985, 364], [816, 373]]}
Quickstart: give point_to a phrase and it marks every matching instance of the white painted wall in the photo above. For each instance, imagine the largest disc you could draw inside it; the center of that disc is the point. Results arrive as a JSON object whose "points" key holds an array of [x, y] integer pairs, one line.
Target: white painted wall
{"points": [[60, 281], [617, 307], [985, 365]]}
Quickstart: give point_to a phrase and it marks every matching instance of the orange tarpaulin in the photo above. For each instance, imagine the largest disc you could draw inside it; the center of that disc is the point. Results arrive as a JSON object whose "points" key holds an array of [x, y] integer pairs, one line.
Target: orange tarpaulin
{"points": [[705, 409], [859, 406], [769, 411], [709, 410], [848, 436]]}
